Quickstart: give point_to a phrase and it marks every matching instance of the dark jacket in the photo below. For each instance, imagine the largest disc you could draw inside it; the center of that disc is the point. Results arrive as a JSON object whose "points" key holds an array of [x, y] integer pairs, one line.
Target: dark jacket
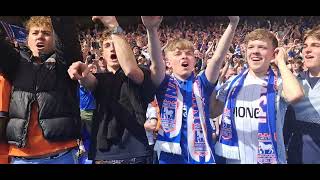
{"points": [[118, 131], [46, 83]]}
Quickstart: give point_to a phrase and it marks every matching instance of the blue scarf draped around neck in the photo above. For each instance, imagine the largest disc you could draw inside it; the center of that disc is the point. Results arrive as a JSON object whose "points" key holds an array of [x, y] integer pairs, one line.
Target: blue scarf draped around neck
{"points": [[227, 146]]}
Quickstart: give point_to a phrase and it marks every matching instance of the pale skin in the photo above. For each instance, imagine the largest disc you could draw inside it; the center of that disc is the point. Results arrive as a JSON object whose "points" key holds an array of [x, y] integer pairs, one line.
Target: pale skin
{"points": [[151, 125], [311, 53], [292, 90], [117, 53], [40, 40], [259, 55], [179, 58]]}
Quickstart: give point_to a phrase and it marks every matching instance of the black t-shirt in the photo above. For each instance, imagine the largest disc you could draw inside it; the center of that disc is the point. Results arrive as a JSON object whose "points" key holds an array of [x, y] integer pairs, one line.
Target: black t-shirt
{"points": [[117, 130]]}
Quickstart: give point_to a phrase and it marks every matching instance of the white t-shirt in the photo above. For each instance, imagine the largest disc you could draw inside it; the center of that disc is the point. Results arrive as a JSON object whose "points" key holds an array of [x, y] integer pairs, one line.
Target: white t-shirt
{"points": [[150, 114], [246, 119]]}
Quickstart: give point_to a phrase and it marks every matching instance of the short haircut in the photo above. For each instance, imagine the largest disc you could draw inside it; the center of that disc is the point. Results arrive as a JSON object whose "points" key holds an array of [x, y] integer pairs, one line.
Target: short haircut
{"points": [[179, 44], [39, 21], [261, 34], [106, 35], [315, 32]]}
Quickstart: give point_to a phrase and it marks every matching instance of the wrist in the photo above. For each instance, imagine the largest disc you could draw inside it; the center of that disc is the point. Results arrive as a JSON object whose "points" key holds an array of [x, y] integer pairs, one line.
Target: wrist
{"points": [[282, 65], [116, 30], [111, 25], [153, 30]]}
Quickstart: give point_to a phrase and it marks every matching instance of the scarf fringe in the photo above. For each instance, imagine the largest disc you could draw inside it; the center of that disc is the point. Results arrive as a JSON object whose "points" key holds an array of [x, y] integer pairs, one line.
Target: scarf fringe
{"points": [[168, 147], [229, 152]]}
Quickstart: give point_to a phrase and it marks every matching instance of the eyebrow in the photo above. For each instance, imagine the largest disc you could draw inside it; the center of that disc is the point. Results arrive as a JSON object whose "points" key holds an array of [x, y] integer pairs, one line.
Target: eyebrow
{"points": [[312, 44], [41, 31]]}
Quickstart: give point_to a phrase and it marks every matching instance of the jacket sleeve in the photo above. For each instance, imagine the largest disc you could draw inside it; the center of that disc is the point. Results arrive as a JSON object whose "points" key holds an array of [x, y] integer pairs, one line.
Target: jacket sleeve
{"points": [[68, 48], [9, 58]]}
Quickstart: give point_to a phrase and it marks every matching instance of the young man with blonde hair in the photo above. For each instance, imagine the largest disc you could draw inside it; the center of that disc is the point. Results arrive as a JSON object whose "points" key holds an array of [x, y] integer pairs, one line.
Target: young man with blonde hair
{"points": [[122, 95], [304, 145], [185, 135], [44, 118], [255, 102]]}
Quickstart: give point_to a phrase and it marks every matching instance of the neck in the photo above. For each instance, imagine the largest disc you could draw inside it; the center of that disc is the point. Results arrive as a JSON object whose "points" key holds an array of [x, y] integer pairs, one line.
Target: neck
{"points": [[113, 69], [180, 77], [258, 74], [314, 72]]}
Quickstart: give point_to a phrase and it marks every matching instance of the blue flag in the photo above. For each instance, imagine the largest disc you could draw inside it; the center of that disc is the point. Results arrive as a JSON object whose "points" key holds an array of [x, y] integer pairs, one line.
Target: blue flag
{"points": [[15, 32]]}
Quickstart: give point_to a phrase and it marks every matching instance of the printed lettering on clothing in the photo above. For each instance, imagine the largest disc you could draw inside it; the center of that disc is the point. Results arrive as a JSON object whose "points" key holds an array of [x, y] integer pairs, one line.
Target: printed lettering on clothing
{"points": [[199, 139], [266, 153], [168, 120]]}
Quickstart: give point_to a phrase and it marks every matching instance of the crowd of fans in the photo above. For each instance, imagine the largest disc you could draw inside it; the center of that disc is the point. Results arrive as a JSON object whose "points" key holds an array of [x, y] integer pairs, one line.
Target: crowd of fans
{"points": [[205, 35], [117, 112]]}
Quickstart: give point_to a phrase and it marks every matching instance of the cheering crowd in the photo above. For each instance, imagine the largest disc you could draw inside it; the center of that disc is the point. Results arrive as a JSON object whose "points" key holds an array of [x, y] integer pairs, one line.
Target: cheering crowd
{"points": [[242, 92]]}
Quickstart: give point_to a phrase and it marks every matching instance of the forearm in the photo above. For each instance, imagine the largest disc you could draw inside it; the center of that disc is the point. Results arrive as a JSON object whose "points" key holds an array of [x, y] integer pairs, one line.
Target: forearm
{"points": [[292, 89], [127, 59], [157, 63], [212, 71], [209, 50], [9, 59], [89, 82], [67, 42]]}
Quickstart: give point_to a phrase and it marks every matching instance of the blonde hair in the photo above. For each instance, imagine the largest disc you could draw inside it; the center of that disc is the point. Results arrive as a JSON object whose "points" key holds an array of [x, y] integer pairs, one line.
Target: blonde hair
{"points": [[106, 35], [315, 32], [261, 34], [178, 44], [39, 21]]}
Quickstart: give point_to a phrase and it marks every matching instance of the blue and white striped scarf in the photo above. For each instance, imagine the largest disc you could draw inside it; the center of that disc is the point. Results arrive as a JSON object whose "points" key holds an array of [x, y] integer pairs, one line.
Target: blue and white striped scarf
{"points": [[227, 146], [169, 134]]}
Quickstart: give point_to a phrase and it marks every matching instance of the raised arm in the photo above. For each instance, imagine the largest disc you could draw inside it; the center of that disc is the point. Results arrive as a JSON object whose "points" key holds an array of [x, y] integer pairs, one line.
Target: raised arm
{"points": [[68, 47], [124, 52], [215, 63], [157, 67], [9, 58], [292, 90], [224, 71]]}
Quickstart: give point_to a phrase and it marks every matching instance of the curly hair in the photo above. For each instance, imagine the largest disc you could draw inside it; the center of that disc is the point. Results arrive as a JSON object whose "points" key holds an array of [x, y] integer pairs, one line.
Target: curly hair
{"points": [[39, 21]]}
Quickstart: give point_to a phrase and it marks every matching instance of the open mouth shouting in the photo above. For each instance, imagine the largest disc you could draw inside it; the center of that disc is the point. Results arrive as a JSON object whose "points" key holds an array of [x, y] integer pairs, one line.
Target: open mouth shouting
{"points": [[185, 64], [40, 46], [113, 57]]}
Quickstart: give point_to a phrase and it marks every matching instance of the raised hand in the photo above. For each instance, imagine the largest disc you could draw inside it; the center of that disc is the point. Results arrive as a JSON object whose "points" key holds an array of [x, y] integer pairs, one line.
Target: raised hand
{"points": [[78, 70], [280, 55], [151, 21], [234, 19], [107, 21]]}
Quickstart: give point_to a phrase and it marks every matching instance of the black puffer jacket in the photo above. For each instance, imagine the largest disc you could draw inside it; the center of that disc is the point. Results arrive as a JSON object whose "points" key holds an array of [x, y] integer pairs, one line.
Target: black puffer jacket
{"points": [[46, 83]]}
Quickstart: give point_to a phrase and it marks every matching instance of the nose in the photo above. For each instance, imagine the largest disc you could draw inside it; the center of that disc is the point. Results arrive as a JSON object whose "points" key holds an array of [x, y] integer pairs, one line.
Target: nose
{"points": [[40, 35], [112, 47], [255, 50], [306, 50], [184, 55]]}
